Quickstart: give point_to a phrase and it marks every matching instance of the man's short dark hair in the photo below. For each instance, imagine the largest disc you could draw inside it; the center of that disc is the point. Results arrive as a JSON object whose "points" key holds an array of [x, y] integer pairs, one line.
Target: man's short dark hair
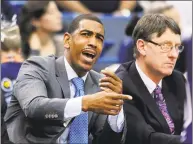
{"points": [[150, 24], [75, 23]]}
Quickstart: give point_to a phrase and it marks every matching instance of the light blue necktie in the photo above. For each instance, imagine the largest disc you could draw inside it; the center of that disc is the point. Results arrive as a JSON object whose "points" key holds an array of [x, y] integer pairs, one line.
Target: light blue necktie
{"points": [[78, 133]]}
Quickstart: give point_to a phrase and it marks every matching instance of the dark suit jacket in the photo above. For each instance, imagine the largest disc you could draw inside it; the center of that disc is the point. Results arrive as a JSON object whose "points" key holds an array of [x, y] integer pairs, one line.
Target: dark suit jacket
{"points": [[36, 111], [145, 123]]}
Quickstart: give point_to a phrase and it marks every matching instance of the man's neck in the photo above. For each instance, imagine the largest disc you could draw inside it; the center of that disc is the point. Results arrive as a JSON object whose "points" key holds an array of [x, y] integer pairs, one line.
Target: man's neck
{"points": [[43, 36], [80, 72]]}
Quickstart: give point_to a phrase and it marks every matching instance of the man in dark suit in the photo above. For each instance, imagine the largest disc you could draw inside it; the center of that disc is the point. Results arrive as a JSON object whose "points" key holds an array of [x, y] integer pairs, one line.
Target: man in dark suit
{"points": [[54, 98], [155, 115]]}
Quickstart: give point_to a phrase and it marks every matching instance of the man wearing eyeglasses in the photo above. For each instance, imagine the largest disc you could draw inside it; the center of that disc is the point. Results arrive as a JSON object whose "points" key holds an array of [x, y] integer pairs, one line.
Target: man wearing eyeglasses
{"points": [[155, 116]]}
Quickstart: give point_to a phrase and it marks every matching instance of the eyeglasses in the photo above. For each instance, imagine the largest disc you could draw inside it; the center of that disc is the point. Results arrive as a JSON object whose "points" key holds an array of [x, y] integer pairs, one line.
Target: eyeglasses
{"points": [[167, 47]]}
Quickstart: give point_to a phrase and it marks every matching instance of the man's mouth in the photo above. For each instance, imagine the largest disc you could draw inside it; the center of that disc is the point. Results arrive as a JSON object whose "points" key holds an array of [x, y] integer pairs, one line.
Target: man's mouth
{"points": [[89, 53], [170, 64]]}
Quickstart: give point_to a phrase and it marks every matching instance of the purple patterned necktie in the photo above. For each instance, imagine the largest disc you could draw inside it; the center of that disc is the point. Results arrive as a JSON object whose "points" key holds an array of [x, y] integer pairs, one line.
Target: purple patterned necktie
{"points": [[158, 96]]}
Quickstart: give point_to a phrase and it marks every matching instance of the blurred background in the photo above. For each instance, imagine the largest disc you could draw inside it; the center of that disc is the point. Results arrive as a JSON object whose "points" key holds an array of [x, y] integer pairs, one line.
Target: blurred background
{"points": [[37, 27], [38, 20]]}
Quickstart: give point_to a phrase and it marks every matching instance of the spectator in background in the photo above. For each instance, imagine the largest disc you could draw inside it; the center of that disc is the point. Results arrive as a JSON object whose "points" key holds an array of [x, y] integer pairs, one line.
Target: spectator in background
{"points": [[185, 11], [126, 47], [11, 59], [6, 10], [4, 135], [188, 44], [38, 21], [119, 7], [164, 8], [11, 45]]}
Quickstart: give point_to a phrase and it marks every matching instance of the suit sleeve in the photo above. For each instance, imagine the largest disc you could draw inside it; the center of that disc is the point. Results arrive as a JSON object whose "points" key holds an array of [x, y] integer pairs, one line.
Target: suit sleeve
{"points": [[31, 92], [97, 128], [137, 131]]}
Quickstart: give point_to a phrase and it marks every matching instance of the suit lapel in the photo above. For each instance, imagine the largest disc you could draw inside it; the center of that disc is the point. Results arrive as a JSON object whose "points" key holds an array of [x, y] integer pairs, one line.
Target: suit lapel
{"points": [[91, 86], [144, 94], [61, 76]]}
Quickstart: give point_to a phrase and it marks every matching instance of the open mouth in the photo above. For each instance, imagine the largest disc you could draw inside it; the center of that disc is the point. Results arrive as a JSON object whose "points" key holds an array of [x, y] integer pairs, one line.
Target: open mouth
{"points": [[89, 53]]}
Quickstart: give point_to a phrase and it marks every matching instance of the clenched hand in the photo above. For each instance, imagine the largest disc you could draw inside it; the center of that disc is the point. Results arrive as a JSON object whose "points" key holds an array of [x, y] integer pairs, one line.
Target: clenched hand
{"points": [[111, 82]]}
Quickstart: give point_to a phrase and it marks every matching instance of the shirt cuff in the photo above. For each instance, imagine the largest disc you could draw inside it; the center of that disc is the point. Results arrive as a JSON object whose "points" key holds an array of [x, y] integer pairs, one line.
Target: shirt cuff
{"points": [[116, 122], [73, 108]]}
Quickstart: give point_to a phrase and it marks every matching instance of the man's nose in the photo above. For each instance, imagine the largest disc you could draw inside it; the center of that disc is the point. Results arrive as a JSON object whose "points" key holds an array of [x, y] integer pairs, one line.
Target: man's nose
{"points": [[174, 53], [93, 42]]}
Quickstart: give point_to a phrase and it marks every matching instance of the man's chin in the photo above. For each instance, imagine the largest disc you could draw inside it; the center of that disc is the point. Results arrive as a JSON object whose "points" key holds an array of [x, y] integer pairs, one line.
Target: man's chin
{"points": [[87, 67], [168, 73]]}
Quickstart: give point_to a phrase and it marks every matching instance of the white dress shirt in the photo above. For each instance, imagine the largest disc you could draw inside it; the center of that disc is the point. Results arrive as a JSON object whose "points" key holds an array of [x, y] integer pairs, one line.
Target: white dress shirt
{"points": [[73, 106], [120, 118], [147, 81]]}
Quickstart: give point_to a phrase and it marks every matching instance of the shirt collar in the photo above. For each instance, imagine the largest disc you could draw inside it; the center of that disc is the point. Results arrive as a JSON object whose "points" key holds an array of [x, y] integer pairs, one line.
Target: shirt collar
{"points": [[71, 73], [147, 81]]}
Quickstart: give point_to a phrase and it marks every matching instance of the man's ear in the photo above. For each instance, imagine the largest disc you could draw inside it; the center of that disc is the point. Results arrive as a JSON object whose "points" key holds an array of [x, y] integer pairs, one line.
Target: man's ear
{"points": [[67, 39], [140, 44]]}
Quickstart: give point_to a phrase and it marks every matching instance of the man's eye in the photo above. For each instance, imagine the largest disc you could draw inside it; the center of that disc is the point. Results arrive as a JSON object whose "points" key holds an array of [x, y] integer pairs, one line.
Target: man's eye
{"points": [[167, 45], [101, 39], [85, 34]]}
